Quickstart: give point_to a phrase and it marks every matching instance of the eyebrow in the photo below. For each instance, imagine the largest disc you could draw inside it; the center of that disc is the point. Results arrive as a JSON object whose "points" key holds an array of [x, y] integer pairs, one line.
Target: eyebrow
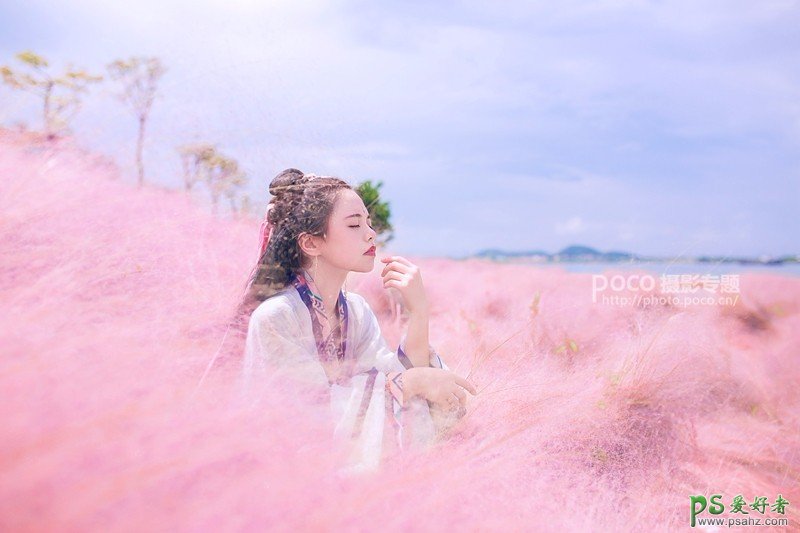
{"points": [[359, 215]]}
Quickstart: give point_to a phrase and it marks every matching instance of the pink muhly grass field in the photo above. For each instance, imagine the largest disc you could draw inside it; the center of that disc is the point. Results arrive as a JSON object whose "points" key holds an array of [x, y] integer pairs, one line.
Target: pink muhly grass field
{"points": [[119, 395]]}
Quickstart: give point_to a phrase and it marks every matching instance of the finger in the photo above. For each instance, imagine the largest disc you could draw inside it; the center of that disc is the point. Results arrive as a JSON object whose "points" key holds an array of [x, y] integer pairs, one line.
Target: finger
{"points": [[394, 284], [398, 260], [387, 267], [453, 402], [462, 397], [393, 275], [466, 384], [403, 260], [394, 265], [439, 403]]}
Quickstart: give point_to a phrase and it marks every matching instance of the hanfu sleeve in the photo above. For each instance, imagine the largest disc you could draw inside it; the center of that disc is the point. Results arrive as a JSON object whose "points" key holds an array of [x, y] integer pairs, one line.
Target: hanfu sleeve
{"points": [[274, 349], [434, 360], [372, 342], [391, 363]]}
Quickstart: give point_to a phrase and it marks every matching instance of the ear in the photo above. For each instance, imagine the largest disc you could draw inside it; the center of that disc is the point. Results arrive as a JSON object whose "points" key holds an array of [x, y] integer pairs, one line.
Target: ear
{"points": [[309, 244]]}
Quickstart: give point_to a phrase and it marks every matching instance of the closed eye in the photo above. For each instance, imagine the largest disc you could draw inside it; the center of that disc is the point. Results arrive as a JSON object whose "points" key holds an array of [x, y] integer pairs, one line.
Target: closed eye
{"points": [[370, 225]]}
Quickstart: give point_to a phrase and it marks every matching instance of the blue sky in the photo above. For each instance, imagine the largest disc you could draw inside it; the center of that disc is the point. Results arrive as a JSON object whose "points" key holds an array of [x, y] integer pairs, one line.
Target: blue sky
{"points": [[667, 128]]}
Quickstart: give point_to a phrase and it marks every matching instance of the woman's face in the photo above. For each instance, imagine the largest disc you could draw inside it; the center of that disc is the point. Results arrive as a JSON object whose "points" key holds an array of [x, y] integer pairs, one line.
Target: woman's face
{"points": [[349, 234]]}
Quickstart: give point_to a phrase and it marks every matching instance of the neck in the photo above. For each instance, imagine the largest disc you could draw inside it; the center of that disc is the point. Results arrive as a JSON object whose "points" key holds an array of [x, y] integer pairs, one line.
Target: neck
{"points": [[327, 281]]}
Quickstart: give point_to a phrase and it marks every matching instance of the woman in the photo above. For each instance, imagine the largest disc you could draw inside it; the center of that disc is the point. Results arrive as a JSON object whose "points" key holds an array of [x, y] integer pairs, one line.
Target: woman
{"points": [[304, 326]]}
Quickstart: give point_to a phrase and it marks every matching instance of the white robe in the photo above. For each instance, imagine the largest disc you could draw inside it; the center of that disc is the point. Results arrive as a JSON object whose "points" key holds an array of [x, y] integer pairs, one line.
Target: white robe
{"points": [[280, 341]]}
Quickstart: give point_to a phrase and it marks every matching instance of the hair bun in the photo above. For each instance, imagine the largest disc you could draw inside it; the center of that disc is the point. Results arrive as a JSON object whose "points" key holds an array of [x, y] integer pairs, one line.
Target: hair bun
{"points": [[283, 181]]}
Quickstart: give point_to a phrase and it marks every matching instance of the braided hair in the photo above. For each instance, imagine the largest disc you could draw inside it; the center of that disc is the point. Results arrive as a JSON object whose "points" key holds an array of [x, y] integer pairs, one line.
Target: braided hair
{"points": [[300, 203]]}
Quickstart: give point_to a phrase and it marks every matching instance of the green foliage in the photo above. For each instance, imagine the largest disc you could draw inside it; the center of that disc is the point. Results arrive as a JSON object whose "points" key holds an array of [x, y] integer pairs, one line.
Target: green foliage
{"points": [[61, 95], [204, 163], [224, 178], [32, 59], [9, 78], [194, 159], [378, 210], [139, 77]]}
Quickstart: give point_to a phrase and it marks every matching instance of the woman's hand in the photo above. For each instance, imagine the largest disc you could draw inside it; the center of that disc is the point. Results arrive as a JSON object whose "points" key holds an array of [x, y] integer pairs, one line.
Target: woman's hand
{"points": [[403, 275], [442, 388]]}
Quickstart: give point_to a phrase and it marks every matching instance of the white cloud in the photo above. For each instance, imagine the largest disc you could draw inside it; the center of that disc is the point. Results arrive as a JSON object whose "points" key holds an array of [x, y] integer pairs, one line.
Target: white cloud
{"points": [[516, 115]]}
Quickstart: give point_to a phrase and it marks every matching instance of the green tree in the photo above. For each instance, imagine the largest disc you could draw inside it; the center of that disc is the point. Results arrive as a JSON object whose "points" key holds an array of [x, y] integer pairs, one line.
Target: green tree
{"points": [[61, 95], [224, 178], [245, 205], [194, 161], [204, 163], [378, 210], [139, 77]]}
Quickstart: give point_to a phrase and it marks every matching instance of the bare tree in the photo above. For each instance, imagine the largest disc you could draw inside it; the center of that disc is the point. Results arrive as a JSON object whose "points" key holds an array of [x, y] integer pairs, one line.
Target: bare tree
{"points": [[139, 77], [60, 94]]}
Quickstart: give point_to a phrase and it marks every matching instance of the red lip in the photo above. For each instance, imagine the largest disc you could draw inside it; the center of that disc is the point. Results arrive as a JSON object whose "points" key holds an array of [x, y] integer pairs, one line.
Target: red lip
{"points": [[371, 251]]}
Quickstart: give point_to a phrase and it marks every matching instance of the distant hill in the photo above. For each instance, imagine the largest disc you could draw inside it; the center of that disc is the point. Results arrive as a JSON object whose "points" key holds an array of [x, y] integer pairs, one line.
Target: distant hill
{"points": [[571, 253], [502, 253], [579, 253]]}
